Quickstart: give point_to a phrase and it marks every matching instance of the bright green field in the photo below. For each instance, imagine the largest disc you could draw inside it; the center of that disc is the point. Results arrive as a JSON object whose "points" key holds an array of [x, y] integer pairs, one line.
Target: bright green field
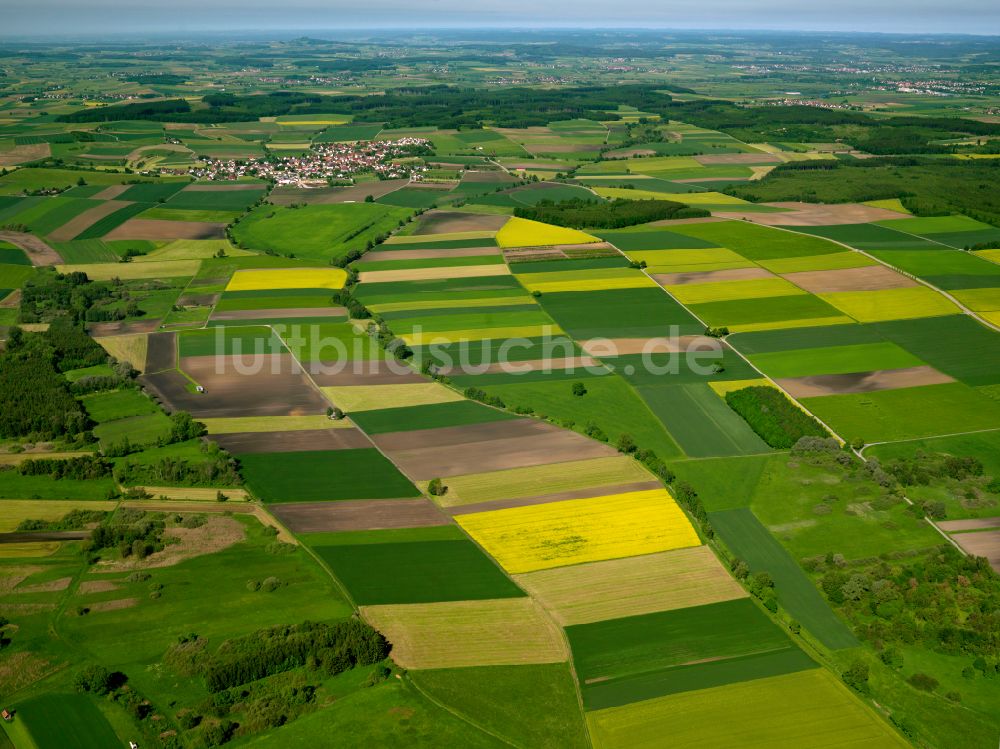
{"points": [[814, 508], [31, 178], [758, 242], [15, 486], [700, 421], [391, 714], [609, 402], [317, 232], [755, 715], [862, 357], [779, 311], [888, 415], [505, 699], [957, 345], [117, 404]]}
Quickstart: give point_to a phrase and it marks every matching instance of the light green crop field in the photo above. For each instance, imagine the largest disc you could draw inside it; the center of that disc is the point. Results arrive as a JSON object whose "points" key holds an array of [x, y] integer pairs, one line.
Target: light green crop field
{"points": [[862, 357], [751, 714], [318, 232]]}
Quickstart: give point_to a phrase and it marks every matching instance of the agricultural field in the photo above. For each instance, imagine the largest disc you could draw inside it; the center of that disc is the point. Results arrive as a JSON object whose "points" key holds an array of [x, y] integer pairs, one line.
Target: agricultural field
{"points": [[586, 400]]}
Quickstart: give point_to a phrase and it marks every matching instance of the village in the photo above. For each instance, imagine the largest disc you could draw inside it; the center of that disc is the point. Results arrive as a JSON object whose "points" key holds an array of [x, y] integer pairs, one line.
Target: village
{"points": [[326, 162]]}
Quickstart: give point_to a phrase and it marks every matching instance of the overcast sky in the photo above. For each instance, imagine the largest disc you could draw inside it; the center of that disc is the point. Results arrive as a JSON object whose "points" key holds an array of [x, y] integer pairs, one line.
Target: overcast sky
{"points": [[48, 17]]}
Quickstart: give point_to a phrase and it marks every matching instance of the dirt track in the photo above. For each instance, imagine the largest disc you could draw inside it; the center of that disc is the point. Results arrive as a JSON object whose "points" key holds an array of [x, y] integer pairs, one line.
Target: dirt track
{"points": [[597, 491], [376, 256], [306, 440], [152, 229], [88, 218]]}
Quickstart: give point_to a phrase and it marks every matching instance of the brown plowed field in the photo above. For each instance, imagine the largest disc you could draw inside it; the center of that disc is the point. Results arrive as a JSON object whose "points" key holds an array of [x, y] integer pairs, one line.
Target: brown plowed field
{"points": [[37, 251], [327, 195], [862, 382], [306, 440], [869, 278], [85, 220], [161, 352], [429, 453], [446, 222], [358, 515], [601, 491], [816, 214], [152, 229], [269, 392]]}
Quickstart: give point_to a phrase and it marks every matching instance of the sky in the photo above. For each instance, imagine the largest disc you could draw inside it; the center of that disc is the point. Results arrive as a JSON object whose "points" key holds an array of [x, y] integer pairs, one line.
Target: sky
{"points": [[87, 17]]}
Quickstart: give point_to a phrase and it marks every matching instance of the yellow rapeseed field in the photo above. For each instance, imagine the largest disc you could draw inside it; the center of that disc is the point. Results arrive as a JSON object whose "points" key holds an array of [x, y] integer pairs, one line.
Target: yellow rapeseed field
{"points": [[890, 304], [522, 232], [538, 537], [287, 278]]}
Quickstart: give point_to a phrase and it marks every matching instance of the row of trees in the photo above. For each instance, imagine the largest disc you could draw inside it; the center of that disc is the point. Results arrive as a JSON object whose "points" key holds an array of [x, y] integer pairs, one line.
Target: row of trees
{"points": [[613, 214], [331, 648]]}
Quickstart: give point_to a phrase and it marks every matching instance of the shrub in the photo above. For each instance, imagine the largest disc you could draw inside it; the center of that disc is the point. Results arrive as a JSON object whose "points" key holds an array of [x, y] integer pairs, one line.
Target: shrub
{"points": [[856, 676], [923, 682], [96, 679]]}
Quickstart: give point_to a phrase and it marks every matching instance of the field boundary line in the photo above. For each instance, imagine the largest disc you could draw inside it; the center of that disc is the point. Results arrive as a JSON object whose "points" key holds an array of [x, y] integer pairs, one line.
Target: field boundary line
{"points": [[433, 700], [965, 310], [931, 437]]}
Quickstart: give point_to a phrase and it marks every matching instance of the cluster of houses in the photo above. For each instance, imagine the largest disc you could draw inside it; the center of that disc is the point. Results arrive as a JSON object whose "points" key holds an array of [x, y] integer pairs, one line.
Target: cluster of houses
{"points": [[324, 162]]}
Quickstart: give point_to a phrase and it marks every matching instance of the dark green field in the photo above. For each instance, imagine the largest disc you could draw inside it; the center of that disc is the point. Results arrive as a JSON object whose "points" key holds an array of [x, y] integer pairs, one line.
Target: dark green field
{"points": [[324, 476], [65, 721], [417, 572], [624, 660], [431, 416], [750, 541]]}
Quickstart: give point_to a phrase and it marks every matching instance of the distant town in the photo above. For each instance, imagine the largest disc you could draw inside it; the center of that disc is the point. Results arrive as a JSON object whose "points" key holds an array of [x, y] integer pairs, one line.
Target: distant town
{"points": [[324, 163]]}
